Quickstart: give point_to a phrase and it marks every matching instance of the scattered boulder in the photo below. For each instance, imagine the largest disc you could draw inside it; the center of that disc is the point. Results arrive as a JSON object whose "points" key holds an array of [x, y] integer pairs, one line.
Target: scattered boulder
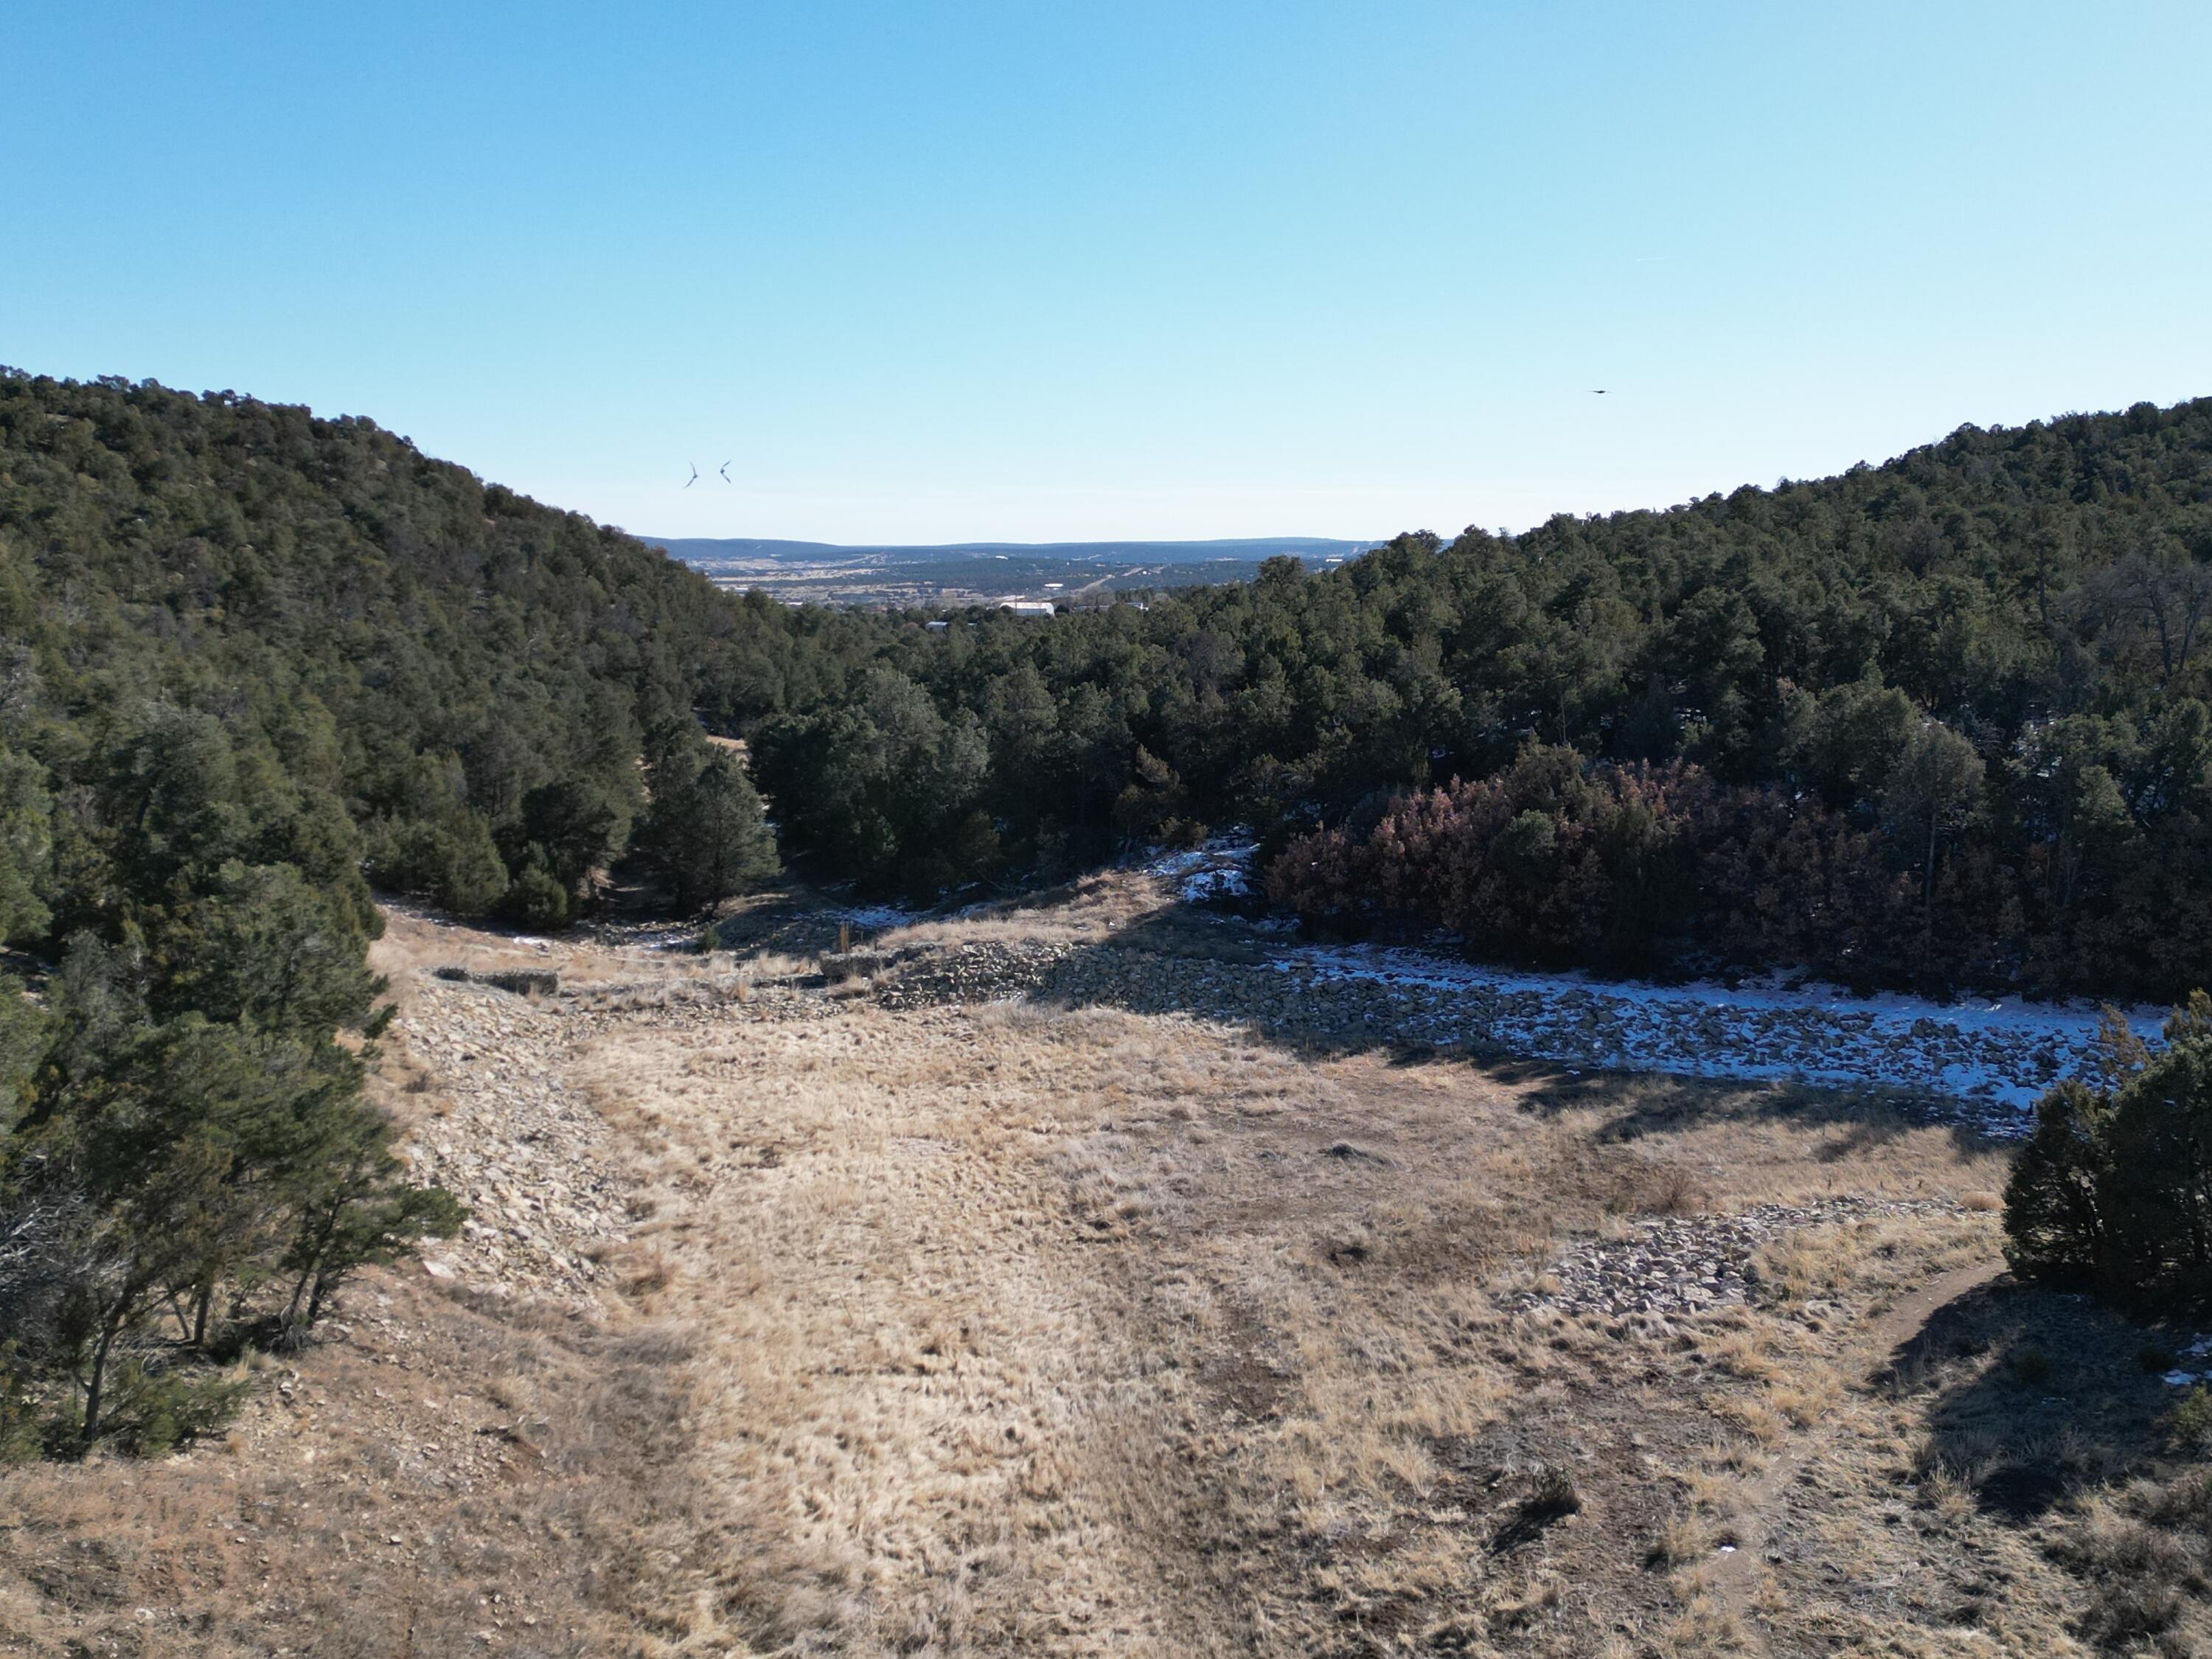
{"points": [[839, 966], [1695, 1264], [522, 981]]}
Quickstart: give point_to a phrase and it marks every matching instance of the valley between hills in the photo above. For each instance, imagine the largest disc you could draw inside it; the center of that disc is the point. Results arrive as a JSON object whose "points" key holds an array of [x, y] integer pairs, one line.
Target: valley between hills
{"points": [[919, 1306], [1389, 836]]}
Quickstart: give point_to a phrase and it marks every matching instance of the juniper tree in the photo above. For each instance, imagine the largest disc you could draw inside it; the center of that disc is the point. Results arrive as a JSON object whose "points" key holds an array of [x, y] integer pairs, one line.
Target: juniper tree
{"points": [[2114, 1189]]}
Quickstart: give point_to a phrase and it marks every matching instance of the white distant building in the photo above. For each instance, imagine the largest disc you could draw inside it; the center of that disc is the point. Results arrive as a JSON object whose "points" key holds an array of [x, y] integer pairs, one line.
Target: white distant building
{"points": [[1027, 607]]}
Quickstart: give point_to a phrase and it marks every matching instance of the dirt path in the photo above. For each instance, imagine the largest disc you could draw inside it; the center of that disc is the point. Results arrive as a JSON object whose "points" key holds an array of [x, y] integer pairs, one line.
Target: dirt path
{"points": [[1765, 1500]]}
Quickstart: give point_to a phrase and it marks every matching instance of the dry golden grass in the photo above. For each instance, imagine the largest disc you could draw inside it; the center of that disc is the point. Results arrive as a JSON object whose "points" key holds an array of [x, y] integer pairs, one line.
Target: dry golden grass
{"points": [[1016, 1329], [1077, 1329]]}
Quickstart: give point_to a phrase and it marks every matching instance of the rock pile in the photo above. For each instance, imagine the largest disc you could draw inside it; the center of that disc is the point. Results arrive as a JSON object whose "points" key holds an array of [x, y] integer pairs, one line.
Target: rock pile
{"points": [[532, 1159], [1990, 1066], [1684, 1265], [980, 970], [1949, 1071]]}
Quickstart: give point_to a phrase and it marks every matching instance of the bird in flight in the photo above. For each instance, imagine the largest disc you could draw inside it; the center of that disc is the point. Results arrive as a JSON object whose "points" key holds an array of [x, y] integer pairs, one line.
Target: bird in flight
{"points": [[694, 478], [726, 473], [1597, 392]]}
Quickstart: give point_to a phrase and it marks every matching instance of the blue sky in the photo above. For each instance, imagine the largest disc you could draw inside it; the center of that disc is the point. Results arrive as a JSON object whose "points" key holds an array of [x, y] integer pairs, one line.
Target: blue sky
{"points": [[1043, 270]]}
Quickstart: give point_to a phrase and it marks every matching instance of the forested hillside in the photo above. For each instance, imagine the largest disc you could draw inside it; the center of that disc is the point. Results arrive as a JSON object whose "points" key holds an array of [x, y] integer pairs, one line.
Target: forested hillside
{"points": [[1939, 721], [250, 663]]}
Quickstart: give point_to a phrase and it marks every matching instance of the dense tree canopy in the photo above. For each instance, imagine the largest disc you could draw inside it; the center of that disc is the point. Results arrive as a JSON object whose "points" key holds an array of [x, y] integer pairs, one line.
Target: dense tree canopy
{"points": [[251, 662], [1975, 677], [1942, 720]]}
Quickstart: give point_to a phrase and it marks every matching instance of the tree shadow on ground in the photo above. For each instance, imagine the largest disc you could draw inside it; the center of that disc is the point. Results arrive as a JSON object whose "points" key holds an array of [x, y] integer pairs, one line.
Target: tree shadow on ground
{"points": [[1178, 960], [2038, 1395]]}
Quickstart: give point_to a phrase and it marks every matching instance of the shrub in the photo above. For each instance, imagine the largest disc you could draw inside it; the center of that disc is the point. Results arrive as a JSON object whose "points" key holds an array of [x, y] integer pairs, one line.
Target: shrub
{"points": [[455, 862], [19, 1411], [1625, 868], [2114, 1188], [2156, 1358], [155, 1410], [2191, 1422], [537, 900], [1553, 1494]]}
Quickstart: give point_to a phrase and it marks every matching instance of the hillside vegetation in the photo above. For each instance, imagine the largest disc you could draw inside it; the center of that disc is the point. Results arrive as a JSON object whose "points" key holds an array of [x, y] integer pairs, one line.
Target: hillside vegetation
{"points": [[1941, 721], [251, 662], [1938, 721]]}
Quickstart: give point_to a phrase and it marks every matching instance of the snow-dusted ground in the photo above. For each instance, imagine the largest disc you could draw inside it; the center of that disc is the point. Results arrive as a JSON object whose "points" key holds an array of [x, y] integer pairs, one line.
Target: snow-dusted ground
{"points": [[1220, 869], [2001, 1054], [1996, 1055], [2199, 1369], [873, 918]]}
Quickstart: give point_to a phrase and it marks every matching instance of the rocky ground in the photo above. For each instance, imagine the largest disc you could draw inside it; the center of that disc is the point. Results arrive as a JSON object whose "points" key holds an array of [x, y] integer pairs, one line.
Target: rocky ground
{"points": [[1683, 1265], [514, 1141], [536, 1162], [1102, 1277], [1964, 1066]]}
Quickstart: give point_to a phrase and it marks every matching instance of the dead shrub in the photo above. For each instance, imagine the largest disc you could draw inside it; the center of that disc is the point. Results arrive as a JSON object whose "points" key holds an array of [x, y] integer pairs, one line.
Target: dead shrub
{"points": [[656, 1344], [1682, 1540], [1645, 1187], [2141, 1574], [2185, 1502], [646, 1273]]}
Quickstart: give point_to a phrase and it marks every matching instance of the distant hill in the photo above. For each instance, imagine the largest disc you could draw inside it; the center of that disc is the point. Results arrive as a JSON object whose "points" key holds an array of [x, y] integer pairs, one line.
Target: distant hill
{"points": [[442, 668], [878, 576], [1943, 720], [708, 552]]}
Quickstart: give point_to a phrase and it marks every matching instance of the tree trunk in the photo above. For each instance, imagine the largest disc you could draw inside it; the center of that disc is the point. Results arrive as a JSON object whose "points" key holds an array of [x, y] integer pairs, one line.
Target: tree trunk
{"points": [[308, 1286], [315, 1297], [200, 1314], [1928, 901], [299, 1291], [96, 1388]]}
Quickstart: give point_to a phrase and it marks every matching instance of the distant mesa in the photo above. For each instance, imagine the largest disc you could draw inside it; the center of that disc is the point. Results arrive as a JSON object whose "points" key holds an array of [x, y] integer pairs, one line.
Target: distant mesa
{"points": [[1076, 575], [708, 550]]}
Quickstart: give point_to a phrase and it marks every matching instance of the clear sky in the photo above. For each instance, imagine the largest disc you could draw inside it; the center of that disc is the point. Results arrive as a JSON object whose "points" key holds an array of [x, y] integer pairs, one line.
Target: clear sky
{"points": [[1050, 270]]}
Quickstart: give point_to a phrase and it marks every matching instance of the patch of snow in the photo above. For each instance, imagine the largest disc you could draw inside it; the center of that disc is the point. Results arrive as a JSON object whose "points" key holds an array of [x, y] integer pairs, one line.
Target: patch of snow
{"points": [[1224, 882], [875, 918], [1220, 869], [665, 939], [2201, 1349], [2002, 1054]]}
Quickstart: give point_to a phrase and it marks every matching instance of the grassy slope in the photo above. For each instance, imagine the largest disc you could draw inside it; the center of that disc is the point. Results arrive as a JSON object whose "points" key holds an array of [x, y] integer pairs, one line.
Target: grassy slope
{"points": [[1006, 1329]]}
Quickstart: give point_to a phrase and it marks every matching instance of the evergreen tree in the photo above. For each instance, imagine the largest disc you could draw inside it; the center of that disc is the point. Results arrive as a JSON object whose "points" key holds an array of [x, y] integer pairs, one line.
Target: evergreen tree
{"points": [[2115, 1186], [706, 831]]}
